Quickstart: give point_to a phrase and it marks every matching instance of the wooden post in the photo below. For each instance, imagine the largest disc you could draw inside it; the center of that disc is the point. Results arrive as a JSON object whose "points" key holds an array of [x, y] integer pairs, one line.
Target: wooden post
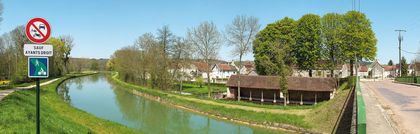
{"points": [[315, 98], [262, 96], [301, 99], [274, 97], [250, 95]]}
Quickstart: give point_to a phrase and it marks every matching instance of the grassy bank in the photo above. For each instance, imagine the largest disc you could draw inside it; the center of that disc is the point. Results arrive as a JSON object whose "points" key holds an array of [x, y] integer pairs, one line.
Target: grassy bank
{"points": [[316, 118], [221, 110], [17, 114]]}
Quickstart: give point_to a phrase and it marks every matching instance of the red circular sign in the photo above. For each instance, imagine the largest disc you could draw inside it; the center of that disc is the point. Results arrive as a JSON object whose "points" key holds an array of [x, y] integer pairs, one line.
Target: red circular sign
{"points": [[38, 30]]}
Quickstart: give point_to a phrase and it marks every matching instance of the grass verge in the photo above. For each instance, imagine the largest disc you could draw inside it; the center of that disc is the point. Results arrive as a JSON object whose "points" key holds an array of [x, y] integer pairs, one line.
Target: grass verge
{"points": [[17, 114]]}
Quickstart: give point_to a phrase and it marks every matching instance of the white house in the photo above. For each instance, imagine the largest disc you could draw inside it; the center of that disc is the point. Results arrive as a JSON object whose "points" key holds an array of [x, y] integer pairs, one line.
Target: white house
{"points": [[390, 71], [221, 72]]}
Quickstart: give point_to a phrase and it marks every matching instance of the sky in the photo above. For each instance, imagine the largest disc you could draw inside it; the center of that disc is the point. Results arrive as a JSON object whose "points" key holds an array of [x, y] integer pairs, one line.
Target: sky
{"points": [[101, 27]]}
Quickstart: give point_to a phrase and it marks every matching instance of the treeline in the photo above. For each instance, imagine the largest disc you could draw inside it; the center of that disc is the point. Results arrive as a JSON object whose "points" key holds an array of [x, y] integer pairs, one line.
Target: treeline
{"points": [[78, 65], [156, 60], [314, 42], [153, 60], [13, 63]]}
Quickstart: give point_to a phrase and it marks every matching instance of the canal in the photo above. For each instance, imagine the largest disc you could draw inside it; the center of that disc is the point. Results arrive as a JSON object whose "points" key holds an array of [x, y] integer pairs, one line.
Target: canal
{"points": [[98, 95]]}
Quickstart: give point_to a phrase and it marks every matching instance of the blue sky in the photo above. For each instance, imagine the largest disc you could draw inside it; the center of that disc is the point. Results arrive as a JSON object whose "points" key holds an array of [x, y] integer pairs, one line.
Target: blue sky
{"points": [[101, 27]]}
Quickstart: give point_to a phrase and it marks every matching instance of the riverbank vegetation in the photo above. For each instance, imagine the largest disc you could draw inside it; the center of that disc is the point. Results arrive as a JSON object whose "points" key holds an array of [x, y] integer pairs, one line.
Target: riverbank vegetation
{"points": [[17, 114], [315, 118]]}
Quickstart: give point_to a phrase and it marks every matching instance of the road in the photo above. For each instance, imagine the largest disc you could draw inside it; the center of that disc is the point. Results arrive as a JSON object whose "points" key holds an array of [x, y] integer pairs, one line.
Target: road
{"points": [[4, 93], [391, 107]]}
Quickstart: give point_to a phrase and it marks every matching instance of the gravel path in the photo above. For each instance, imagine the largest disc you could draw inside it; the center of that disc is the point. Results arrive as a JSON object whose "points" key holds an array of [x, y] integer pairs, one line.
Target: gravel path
{"points": [[4, 93]]}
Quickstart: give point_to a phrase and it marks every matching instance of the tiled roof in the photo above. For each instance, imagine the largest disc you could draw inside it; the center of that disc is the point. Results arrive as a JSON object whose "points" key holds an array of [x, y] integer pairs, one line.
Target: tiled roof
{"points": [[294, 83], [201, 66], [226, 67], [390, 68], [363, 68]]}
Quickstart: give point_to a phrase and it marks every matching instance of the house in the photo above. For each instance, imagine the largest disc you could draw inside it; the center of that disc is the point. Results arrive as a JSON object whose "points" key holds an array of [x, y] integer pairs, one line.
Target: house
{"points": [[340, 71], [368, 69], [199, 69], [221, 72], [390, 71], [414, 69], [301, 90], [363, 71]]}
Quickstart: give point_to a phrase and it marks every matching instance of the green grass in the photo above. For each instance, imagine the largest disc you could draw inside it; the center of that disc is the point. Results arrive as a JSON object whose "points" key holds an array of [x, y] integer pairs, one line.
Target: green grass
{"points": [[17, 114], [324, 116], [250, 116], [10, 85], [195, 89], [319, 118]]}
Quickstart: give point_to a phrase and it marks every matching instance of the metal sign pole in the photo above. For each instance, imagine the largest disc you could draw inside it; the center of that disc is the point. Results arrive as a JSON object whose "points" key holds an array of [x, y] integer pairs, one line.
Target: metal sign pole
{"points": [[37, 106]]}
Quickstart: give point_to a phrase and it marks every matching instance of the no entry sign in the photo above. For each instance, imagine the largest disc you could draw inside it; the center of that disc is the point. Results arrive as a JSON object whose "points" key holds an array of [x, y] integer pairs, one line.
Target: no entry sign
{"points": [[38, 30]]}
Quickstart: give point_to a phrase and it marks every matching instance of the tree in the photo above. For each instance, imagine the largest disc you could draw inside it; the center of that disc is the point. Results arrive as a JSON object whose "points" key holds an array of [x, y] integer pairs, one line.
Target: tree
{"points": [[404, 67], [390, 63], [206, 40], [332, 23], [240, 34], [358, 38], [308, 42], [94, 66], [278, 35], [181, 55], [68, 46]]}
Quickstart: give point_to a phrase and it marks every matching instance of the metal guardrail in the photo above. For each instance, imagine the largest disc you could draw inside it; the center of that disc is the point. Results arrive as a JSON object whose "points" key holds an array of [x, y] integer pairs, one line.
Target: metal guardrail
{"points": [[361, 110]]}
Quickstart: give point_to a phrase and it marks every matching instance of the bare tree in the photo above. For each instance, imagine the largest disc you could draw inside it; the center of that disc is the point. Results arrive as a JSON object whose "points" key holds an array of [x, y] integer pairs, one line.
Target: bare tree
{"points": [[240, 34], [206, 40], [181, 55]]}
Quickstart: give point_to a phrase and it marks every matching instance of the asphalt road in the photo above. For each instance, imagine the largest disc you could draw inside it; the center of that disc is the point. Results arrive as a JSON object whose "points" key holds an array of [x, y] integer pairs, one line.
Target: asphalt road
{"points": [[398, 106]]}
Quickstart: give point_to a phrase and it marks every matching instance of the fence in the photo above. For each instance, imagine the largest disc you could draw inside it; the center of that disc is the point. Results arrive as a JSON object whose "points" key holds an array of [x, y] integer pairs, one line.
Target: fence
{"points": [[361, 111]]}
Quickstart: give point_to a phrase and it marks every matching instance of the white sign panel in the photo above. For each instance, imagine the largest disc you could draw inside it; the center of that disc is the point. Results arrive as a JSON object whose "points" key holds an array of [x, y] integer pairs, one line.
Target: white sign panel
{"points": [[38, 50]]}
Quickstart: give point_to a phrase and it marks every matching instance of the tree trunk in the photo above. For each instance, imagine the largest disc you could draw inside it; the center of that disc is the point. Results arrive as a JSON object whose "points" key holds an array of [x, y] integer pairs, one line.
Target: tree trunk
{"points": [[351, 68], [332, 73], [208, 80], [284, 99], [182, 77], [310, 73], [239, 77]]}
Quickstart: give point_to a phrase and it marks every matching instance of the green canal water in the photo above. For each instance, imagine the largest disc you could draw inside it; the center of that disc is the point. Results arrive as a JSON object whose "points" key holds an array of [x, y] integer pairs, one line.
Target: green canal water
{"points": [[98, 95]]}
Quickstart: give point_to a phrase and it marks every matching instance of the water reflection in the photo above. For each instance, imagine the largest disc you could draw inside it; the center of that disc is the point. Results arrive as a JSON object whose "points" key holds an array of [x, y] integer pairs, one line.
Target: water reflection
{"points": [[100, 96]]}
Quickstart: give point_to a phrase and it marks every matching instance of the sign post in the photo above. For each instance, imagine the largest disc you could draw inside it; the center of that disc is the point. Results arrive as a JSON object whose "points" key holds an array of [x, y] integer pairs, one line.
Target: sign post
{"points": [[38, 31]]}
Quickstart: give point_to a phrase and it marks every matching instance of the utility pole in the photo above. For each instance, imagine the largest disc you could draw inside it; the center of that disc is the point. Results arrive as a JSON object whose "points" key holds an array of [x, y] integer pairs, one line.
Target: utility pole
{"points": [[400, 38]]}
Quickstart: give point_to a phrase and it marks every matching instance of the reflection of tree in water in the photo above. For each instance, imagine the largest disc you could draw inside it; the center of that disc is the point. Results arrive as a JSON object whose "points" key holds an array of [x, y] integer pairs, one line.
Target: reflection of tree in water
{"points": [[78, 82], [95, 78], [63, 91], [151, 116]]}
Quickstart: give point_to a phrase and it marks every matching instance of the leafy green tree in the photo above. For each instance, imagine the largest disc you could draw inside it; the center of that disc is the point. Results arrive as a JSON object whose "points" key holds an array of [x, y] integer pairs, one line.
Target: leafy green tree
{"points": [[278, 35], [404, 67], [358, 38], [308, 42], [332, 24], [200, 81], [390, 63]]}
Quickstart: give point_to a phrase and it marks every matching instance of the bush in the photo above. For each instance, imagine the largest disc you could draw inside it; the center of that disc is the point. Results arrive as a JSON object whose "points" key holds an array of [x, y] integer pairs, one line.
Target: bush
{"points": [[408, 79], [351, 81]]}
